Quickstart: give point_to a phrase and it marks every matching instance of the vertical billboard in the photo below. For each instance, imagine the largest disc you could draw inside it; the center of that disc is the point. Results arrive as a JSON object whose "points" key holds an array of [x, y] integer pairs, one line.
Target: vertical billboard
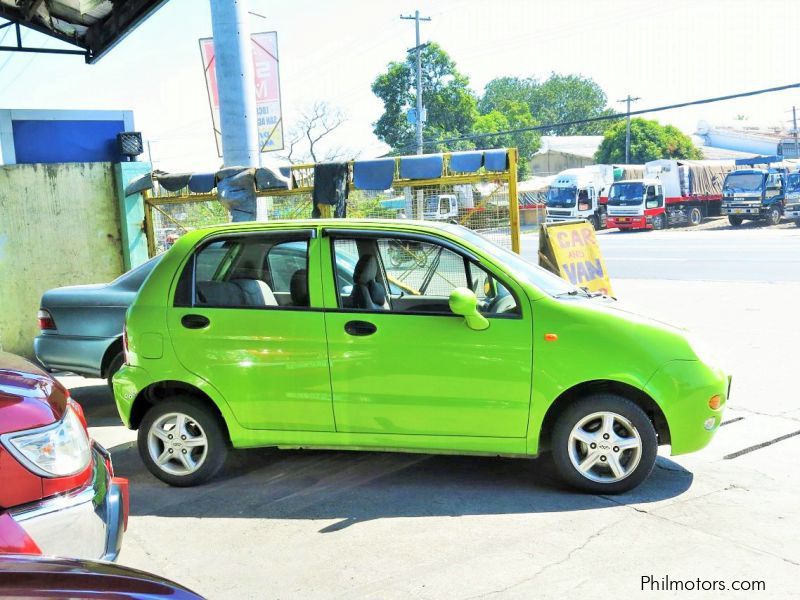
{"points": [[267, 84]]}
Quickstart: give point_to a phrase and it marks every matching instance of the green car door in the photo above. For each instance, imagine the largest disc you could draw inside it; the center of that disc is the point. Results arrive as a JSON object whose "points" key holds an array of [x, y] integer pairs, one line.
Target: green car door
{"points": [[242, 321], [401, 362]]}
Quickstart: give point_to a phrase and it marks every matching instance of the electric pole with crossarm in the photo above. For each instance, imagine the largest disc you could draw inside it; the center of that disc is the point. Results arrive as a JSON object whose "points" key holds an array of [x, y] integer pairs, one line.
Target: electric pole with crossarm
{"points": [[416, 18], [628, 101]]}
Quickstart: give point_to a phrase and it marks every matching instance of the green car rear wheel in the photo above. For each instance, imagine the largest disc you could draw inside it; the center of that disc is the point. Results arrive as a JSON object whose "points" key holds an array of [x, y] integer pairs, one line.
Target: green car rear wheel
{"points": [[182, 442]]}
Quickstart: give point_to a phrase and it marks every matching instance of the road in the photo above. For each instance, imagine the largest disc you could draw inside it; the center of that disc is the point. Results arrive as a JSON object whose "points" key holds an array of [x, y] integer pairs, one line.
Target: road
{"points": [[324, 524], [751, 254]]}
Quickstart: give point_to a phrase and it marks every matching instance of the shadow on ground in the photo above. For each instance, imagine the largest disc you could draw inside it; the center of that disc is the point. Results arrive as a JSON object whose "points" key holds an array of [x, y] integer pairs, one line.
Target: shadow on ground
{"points": [[354, 487], [98, 404]]}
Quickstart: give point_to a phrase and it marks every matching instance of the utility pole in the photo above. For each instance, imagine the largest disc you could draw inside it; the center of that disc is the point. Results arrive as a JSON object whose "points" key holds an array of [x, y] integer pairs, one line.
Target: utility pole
{"points": [[233, 54], [416, 18], [628, 101]]}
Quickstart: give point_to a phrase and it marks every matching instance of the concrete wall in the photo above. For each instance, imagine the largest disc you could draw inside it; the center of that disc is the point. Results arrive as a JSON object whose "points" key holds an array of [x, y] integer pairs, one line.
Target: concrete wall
{"points": [[59, 225]]}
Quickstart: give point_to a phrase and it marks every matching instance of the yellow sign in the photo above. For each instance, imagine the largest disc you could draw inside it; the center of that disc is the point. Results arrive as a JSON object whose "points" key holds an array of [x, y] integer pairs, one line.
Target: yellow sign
{"points": [[570, 250]]}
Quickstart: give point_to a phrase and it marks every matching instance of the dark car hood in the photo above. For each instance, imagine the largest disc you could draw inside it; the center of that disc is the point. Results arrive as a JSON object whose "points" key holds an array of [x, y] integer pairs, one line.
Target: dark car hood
{"points": [[34, 577], [102, 294], [29, 397]]}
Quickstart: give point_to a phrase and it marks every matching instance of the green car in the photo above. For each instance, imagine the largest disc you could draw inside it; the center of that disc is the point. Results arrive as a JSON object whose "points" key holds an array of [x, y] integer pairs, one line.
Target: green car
{"points": [[399, 335]]}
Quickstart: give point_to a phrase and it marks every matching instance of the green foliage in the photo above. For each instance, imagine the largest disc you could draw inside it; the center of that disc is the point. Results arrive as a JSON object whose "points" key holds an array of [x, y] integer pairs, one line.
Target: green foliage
{"points": [[558, 99], [365, 206], [505, 116], [450, 104], [507, 103], [649, 141]]}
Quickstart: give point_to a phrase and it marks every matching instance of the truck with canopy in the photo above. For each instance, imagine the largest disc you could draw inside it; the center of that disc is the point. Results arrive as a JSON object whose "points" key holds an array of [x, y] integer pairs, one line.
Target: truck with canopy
{"points": [[671, 192]]}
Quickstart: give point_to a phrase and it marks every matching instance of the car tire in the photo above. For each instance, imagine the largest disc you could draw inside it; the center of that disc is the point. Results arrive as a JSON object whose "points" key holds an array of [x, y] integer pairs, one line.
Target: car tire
{"points": [[114, 366], [632, 444], [190, 457], [734, 220], [774, 216], [658, 222], [594, 222], [695, 217]]}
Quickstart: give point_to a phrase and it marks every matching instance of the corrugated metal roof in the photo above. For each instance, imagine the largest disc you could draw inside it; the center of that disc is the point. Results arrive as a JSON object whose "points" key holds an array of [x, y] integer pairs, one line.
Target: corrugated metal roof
{"points": [[94, 25]]}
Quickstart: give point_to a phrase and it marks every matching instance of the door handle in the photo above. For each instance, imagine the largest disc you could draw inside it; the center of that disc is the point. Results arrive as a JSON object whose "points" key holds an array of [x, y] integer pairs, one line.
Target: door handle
{"points": [[195, 321], [360, 328]]}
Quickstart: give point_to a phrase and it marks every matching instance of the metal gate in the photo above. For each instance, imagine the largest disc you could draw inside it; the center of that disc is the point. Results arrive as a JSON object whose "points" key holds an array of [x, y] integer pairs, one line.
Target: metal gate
{"points": [[484, 201]]}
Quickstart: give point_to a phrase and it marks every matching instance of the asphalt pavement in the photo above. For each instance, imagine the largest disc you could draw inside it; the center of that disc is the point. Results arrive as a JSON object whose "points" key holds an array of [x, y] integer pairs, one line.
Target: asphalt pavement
{"points": [[324, 524], [757, 254]]}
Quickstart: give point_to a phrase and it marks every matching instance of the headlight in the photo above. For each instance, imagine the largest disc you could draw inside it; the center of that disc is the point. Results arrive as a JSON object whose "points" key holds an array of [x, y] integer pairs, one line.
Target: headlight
{"points": [[56, 450]]}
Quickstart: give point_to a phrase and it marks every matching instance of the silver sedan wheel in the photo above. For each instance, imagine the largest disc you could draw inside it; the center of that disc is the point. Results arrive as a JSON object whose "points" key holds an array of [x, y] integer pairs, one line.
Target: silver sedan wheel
{"points": [[177, 444], [605, 447]]}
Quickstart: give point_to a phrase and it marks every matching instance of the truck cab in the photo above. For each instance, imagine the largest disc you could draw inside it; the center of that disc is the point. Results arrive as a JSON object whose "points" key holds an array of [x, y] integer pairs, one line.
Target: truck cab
{"points": [[754, 194], [441, 207], [578, 194], [636, 204], [791, 209]]}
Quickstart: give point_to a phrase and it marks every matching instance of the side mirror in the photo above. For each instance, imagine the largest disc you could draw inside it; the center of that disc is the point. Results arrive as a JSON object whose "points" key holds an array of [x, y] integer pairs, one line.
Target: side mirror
{"points": [[651, 204], [464, 302]]}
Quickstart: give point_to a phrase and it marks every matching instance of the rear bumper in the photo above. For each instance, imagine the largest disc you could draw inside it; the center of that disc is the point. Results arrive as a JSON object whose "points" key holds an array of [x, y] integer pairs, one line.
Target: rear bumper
{"points": [[82, 355], [85, 523]]}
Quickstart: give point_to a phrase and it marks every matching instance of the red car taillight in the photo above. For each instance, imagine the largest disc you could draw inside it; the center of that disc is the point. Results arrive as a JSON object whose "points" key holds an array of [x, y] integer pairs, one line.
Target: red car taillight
{"points": [[45, 320]]}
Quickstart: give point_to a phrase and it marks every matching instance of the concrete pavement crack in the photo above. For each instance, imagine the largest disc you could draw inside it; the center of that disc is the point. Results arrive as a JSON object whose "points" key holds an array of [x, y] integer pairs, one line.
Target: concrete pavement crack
{"points": [[714, 535], [550, 565]]}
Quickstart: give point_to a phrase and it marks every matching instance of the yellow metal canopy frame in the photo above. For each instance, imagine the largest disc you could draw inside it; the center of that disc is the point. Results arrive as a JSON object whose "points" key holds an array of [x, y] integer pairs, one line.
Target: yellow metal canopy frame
{"points": [[484, 201]]}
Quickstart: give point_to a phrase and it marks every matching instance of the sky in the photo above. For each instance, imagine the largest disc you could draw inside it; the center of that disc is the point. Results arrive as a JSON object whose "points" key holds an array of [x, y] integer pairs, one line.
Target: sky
{"points": [[664, 51]]}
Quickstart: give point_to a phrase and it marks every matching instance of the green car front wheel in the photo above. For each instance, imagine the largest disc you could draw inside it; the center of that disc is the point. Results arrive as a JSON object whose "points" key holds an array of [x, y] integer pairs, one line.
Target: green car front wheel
{"points": [[604, 444]]}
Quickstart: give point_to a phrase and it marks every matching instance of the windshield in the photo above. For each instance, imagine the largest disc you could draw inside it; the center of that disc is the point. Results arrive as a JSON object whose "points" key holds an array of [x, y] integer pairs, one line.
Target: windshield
{"points": [[626, 194], [744, 182], [561, 197], [432, 204], [530, 272], [793, 182]]}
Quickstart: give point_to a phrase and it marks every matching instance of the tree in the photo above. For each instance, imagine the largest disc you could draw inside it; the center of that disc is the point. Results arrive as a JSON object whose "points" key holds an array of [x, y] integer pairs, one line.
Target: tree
{"points": [[508, 115], [450, 104], [649, 141], [559, 99], [314, 124]]}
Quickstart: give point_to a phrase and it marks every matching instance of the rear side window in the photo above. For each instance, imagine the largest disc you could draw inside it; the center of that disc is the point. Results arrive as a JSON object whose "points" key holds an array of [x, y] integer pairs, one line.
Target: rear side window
{"points": [[247, 272]]}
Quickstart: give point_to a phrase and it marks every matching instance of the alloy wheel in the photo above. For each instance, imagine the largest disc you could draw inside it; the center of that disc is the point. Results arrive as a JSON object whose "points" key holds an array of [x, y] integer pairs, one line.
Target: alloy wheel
{"points": [[605, 447], [177, 444]]}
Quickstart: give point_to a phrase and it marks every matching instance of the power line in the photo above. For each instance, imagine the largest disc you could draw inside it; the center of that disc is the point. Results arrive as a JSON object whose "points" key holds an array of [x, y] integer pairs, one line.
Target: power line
{"points": [[611, 117]]}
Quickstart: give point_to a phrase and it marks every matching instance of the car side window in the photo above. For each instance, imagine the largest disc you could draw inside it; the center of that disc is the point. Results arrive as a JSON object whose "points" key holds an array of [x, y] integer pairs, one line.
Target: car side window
{"points": [[411, 276], [283, 261], [247, 272]]}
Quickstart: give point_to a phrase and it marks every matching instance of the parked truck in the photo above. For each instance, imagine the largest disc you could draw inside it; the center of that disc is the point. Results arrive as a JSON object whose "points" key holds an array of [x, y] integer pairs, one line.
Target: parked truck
{"points": [[580, 194], [671, 192], [758, 193], [791, 210]]}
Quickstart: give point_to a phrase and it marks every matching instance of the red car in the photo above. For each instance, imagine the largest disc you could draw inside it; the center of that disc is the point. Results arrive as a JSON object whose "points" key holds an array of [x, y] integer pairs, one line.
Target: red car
{"points": [[58, 493]]}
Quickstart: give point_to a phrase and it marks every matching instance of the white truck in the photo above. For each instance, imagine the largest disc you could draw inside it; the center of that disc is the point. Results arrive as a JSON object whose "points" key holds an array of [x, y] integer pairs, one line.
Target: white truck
{"points": [[672, 192], [579, 194]]}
